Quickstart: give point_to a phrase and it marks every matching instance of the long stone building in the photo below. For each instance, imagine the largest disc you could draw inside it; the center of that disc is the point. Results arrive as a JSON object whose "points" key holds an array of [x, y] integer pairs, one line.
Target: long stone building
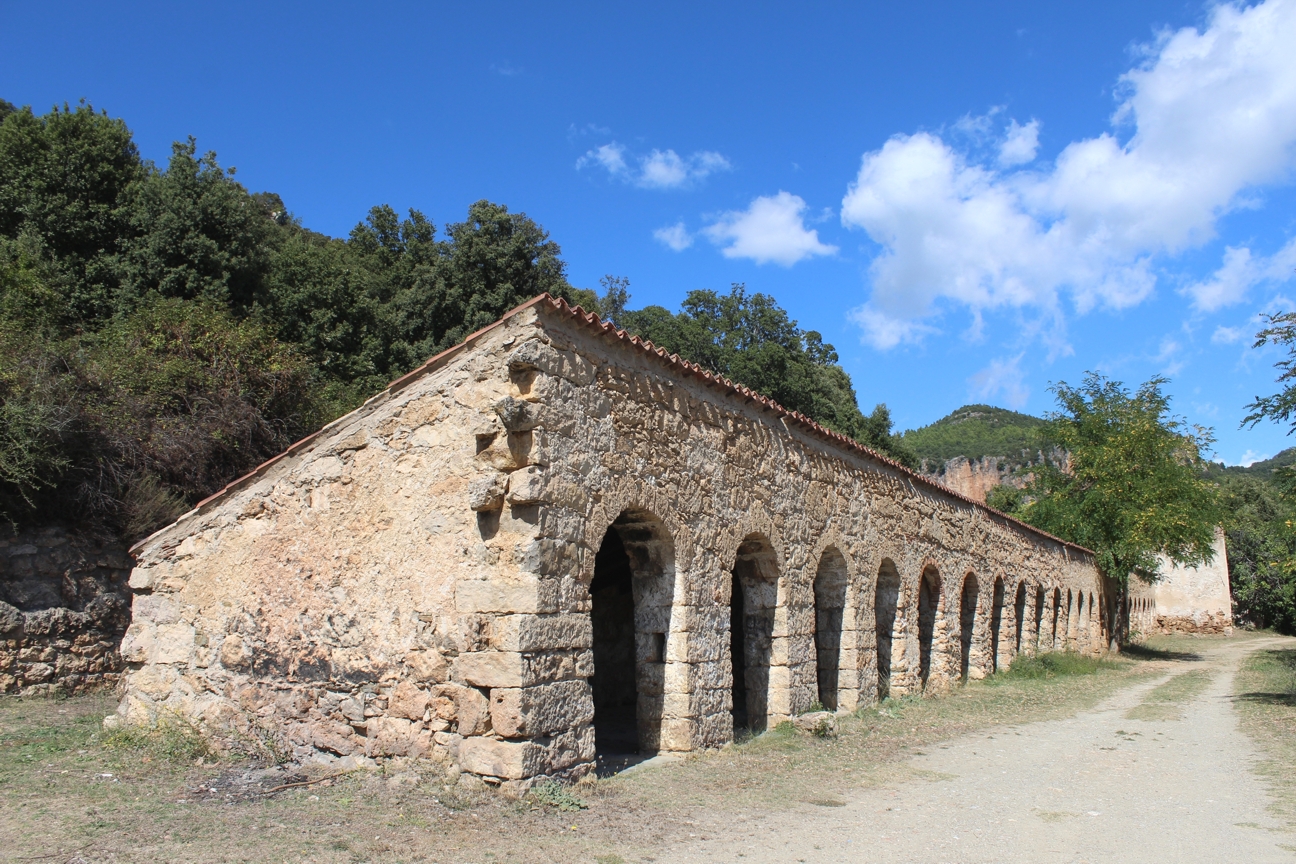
{"points": [[554, 542]]}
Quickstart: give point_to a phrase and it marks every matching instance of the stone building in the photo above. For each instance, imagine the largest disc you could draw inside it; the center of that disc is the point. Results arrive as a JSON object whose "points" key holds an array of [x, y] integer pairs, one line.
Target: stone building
{"points": [[554, 541]]}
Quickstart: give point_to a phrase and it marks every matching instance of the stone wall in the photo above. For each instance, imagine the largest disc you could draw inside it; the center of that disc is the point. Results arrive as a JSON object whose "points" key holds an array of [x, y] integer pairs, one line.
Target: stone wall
{"points": [[1194, 599], [415, 579], [64, 606]]}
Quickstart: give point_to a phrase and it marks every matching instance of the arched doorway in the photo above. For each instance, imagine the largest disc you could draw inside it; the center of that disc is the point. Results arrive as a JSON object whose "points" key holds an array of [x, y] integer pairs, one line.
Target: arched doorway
{"points": [[967, 624], [1038, 631], [830, 608], [885, 600], [1057, 611], [928, 603], [753, 600], [1019, 616], [996, 622], [630, 610]]}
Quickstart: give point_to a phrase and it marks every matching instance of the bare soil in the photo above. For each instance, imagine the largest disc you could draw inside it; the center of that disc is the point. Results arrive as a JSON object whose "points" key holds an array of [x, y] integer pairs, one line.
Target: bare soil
{"points": [[1006, 769]]}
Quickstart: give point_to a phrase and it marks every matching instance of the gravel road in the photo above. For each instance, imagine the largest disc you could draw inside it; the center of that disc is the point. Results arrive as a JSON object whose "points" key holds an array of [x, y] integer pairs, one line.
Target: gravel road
{"points": [[1096, 787]]}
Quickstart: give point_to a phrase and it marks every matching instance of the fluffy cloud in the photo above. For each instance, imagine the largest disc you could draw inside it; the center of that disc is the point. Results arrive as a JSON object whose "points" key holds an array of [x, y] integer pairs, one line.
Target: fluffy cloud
{"points": [[674, 237], [1001, 377], [1227, 335], [771, 229], [660, 169], [1213, 115], [1020, 143], [1238, 273]]}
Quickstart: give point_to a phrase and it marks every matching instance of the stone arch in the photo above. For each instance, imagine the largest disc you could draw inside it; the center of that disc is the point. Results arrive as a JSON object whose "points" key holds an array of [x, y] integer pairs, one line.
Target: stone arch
{"points": [[1082, 625], [754, 596], [1019, 617], [1038, 615], [1068, 624], [967, 623], [1056, 612], [996, 622], [830, 584], [885, 602], [929, 601], [632, 593]]}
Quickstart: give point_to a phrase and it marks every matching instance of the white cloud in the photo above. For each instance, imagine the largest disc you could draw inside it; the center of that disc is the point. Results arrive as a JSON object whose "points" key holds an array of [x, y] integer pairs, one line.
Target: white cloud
{"points": [[1251, 457], [771, 229], [660, 169], [1213, 115], [1001, 377], [884, 331], [1227, 335], [1238, 273], [675, 237], [1021, 143]]}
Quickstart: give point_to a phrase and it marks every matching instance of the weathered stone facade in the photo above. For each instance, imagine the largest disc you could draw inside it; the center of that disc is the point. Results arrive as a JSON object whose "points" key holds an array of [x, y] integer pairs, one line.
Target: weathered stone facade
{"points": [[532, 549], [64, 606]]}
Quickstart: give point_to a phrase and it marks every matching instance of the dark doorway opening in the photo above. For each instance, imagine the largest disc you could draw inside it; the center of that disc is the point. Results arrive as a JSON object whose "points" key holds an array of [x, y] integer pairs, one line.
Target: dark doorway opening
{"points": [[928, 599], [1057, 610], [631, 596], [996, 623], [967, 624], [1039, 618], [751, 630], [830, 610], [1019, 616], [885, 601], [612, 616]]}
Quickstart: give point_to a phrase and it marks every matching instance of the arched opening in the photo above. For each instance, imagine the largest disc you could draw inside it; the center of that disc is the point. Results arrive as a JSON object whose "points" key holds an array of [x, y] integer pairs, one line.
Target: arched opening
{"points": [[1082, 623], [751, 628], [630, 608], [967, 623], [1057, 610], [830, 609], [1019, 616], [1038, 630], [996, 622], [885, 601], [1072, 621], [928, 601]]}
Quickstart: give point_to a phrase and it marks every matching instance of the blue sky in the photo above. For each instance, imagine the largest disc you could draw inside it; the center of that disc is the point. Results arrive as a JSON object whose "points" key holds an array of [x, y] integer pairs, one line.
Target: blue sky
{"points": [[969, 200]]}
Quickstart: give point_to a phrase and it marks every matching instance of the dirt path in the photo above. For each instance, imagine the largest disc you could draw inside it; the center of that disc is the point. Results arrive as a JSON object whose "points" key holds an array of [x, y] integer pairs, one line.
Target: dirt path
{"points": [[1157, 773]]}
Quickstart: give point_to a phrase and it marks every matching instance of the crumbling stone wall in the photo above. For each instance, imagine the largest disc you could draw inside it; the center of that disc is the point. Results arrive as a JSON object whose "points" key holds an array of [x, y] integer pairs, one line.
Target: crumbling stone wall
{"points": [[1194, 599], [64, 606], [414, 580]]}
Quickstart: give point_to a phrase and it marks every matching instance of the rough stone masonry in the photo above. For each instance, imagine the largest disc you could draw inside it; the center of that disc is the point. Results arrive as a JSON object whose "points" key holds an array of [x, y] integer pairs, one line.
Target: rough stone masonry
{"points": [[554, 543]]}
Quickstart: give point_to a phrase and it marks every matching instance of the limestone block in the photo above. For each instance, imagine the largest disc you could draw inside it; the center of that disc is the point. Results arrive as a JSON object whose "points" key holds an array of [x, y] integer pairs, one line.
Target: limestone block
{"points": [[137, 645], [235, 652], [541, 632], [428, 666], [540, 710], [517, 415], [486, 493], [407, 701], [499, 595], [490, 669], [491, 757], [174, 643], [527, 486], [393, 736], [11, 622]]}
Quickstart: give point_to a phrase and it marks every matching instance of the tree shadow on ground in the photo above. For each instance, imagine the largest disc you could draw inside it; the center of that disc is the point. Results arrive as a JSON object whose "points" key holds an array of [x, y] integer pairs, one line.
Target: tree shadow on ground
{"points": [[1143, 652], [1288, 699]]}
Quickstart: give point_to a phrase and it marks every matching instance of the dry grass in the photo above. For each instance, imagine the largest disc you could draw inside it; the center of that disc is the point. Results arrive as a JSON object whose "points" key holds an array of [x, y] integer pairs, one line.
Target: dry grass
{"points": [[1166, 701], [68, 790], [1266, 706]]}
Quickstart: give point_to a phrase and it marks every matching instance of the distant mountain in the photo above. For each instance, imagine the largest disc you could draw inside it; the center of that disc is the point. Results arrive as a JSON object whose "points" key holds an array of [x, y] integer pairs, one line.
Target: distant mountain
{"points": [[974, 432], [1260, 469]]}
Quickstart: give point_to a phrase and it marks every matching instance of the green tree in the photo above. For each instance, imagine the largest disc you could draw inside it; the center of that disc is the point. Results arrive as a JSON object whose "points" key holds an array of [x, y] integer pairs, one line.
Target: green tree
{"points": [[1133, 487], [1258, 529], [750, 339], [194, 232], [63, 178]]}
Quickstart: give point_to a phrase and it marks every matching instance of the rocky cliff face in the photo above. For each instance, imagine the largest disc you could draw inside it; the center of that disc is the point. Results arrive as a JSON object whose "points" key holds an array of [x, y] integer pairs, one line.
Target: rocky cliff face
{"points": [[975, 477], [63, 609]]}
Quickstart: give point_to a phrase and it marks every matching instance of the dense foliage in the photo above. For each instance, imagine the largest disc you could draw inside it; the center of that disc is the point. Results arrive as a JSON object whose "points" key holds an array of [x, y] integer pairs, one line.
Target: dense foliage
{"points": [[973, 432], [750, 340], [1134, 485], [163, 330], [1258, 530]]}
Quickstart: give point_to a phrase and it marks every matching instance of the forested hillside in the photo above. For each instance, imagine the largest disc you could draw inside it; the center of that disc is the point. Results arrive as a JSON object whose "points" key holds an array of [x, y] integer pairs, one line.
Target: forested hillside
{"points": [[163, 330], [973, 432]]}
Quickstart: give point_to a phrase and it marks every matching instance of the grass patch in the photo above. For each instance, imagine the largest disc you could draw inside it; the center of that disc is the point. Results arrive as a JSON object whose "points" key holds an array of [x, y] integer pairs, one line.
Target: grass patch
{"points": [[174, 739], [1266, 706], [557, 796], [1165, 701], [1057, 664]]}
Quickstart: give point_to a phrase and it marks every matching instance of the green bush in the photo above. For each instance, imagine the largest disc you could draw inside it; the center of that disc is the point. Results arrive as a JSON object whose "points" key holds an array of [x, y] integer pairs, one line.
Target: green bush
{"points": [[1054, 665]]}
